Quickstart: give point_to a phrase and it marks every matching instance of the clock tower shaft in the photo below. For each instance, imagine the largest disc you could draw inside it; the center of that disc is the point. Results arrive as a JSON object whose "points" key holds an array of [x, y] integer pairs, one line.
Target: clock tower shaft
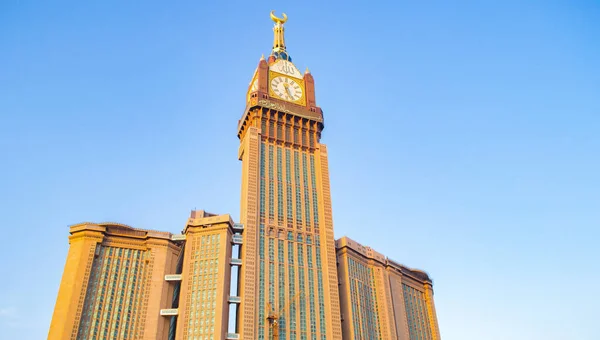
{"points": [[289, 273]]}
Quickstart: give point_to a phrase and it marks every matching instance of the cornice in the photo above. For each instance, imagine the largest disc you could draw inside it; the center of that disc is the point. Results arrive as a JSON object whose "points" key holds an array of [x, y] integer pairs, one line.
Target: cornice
{"points": [[289, 108]]}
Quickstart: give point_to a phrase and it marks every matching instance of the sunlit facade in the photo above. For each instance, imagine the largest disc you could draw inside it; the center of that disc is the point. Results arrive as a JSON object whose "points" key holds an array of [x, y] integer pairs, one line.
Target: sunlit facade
{"points": [[113, 283], [381, 299], [203, 299], [278, 274], [289, 270]]}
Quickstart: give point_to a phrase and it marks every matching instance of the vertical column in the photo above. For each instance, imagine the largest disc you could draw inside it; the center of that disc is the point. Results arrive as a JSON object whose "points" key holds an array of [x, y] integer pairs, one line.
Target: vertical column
{"points": [[385, 317], [334, 328], [73, 285], [400, 317], [160, 292], [389, 309], [224, 282], [248, 214], [435, 330], [188, 276], [344, 291]]}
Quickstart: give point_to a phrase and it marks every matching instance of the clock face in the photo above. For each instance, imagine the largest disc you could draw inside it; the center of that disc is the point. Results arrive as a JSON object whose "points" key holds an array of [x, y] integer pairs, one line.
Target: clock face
{"points": [[286, 88]]}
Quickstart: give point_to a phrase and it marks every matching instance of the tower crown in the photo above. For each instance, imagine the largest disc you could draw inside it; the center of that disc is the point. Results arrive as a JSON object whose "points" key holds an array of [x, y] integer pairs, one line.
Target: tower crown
{"points": [[278, 37]]}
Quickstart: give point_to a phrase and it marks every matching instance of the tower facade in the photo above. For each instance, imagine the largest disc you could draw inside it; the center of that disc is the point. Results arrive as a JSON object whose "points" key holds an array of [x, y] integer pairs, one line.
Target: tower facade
{"points": [[202, 308], [113, 283], [381, 299], [291, 279], [288, 281]]}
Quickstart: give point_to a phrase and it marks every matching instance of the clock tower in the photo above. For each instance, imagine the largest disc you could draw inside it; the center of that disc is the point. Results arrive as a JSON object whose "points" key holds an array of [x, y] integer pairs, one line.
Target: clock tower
{"points": [[288, 282]]}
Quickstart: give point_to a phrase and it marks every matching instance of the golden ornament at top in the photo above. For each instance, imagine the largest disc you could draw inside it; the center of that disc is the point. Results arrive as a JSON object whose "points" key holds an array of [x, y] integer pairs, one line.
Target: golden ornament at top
{"points": [[278, 20]]}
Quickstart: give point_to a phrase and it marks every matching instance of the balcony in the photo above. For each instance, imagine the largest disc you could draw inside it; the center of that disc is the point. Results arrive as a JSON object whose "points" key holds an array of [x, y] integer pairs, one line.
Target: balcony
{"points": [[236, 239], [169, 312], [235, 299], [236, 262], [232, 336], [238, 227], [173, 277], [178, 237]]}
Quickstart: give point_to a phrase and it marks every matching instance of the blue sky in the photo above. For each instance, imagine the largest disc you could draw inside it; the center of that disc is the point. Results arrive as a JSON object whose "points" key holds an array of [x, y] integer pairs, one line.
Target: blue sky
{"points": [[464, 140]]}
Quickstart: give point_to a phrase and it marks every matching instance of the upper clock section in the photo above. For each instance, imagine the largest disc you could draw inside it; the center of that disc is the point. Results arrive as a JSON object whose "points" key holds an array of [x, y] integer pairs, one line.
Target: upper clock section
{"points": [[278, 78], [278, 89]]}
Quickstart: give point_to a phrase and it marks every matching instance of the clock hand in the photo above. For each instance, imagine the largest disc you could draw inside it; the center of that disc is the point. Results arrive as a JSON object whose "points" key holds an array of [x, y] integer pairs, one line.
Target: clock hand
{"points": [[287, 89]]}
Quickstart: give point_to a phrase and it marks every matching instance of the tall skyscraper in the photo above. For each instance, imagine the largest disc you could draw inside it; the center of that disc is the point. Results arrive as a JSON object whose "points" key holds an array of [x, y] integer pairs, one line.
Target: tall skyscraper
{"points": [[381, 299], [113, 283], [125, 283], [277, 270], [203, 302], [289, 271]]}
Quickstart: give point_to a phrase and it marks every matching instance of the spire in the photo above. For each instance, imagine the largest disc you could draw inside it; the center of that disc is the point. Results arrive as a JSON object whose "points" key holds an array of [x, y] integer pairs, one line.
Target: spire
{"points": [[278, 39]]}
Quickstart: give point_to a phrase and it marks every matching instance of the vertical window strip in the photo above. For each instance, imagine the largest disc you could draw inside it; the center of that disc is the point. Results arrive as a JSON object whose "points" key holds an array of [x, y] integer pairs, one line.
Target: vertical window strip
{"points": [[279, 131], [301, 286], [298, 190], [282, 319], [311, 292], [279, 187], [271, 273], [128, 293], [306, 197], [113, 287], [292, 290], [314, 191], [288, 182], [271, 184], [90, 296], [131, 319], [375, 325], [296, 133], [104, 284], [261, 263], [138, 279], [320, 289], [262, 180], [303, 131], [261, 286]]}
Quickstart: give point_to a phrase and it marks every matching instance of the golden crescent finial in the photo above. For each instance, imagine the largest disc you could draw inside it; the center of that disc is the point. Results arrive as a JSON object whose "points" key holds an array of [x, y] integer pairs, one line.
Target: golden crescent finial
{"points": [[278, 20]]}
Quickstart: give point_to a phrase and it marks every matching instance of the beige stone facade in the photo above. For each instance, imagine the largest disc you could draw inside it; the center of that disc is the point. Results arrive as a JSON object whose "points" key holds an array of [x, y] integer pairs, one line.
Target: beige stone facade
{"points": [[113, 283], [290, 278], [206, 271], [125, 283], [381, 299]]}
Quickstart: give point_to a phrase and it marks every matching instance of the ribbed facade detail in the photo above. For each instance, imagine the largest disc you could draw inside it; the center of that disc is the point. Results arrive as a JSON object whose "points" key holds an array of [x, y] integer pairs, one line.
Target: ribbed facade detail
{"points": [[116, 285]]}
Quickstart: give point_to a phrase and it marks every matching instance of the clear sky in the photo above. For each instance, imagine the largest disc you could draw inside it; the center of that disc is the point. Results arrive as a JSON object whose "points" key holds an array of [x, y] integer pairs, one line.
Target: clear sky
{"points": [[464, 139]]}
